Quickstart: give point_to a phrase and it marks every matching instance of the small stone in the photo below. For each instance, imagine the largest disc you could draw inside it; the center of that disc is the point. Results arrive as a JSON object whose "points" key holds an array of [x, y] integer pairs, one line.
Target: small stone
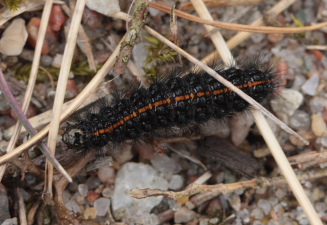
{"points": [[235, 201], [257, 222], [80, 199], [93, 182], [317, 194], [257, 213], [14, 38], [318, 125], [57, 18], [73, 206], [176, 182], [202, 222], [300, 120], [273, 222], [275, 38], [11, 221], [164, 164], [286, 104], [265, 206], [311, 85], [57, 60], [33, 30], [101, 6], [317, 104], [102, 206], [90, 213], [273, 201], [125, 154], [107, 192], [132, 175], [83, 189], [214, 220], [92, 196], [257, 37], [184, 215], [106, 174], [91, 18]]}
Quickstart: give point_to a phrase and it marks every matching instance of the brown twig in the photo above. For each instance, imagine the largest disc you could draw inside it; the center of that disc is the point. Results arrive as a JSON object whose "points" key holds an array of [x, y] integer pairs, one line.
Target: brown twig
{"points": [[239, 27], [187, 6], [223, 188], [137, 23]]}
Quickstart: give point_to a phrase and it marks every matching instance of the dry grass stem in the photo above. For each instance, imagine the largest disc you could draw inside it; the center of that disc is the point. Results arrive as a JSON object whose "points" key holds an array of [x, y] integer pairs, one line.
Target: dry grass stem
{"points": [[32, 78], [132, 35], [188, 6], [60, 92], [240, 27]]}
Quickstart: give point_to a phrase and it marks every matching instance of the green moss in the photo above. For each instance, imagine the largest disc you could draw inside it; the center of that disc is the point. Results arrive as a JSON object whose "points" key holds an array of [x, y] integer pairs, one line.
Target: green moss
{"points": [[12, 4]]}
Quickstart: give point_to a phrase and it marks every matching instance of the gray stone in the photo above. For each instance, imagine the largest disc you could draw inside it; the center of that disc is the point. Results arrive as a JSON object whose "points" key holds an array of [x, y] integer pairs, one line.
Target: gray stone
{"points": [[135, 175], [102, 206]]}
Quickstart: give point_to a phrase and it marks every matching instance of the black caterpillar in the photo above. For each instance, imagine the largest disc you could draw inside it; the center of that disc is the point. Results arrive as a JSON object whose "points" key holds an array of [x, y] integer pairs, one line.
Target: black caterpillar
{"points": [[174, 101]]}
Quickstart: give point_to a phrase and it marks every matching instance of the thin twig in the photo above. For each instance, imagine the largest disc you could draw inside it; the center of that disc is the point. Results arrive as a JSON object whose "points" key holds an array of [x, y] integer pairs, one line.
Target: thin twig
{"points": [[240, 27], [60, 93], [33, 75], [22, 209], [217, 189], [138, 21]]}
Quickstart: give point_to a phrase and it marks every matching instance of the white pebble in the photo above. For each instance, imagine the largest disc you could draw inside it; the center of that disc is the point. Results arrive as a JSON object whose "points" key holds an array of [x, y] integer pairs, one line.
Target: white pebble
{"points": [[14, 38]]}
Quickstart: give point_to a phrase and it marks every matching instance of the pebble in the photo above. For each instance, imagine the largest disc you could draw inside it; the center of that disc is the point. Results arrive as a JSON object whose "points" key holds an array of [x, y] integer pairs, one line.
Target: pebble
{"points": [[90, 213], [184, 215], [132, 175], [240, 128], [33, 29], [125, 154], [275, 38], [265, 206], [140, 53], [14, 38], [83, 189], [106, 174], [57, 18], [300, 120], [107, 192], [164, 164], [92, 196], [317, 104], [93, 182], [318, 125], [214, 220], [176, 182], [235, 201], [286, 104], [91, 18], [11, 221], [57, 60], [4, 203], [257, 213], [101, 6], [102, 206], [73, 206], [311, 85], [317, 194]]}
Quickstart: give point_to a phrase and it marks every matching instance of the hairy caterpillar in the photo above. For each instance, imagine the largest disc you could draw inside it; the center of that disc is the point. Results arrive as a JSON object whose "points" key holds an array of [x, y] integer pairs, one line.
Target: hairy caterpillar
{"points": [[174, 101]]}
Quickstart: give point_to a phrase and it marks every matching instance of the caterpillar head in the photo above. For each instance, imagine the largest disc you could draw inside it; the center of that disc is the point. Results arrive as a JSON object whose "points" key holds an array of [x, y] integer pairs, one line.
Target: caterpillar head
{"points": [[75, 138]]}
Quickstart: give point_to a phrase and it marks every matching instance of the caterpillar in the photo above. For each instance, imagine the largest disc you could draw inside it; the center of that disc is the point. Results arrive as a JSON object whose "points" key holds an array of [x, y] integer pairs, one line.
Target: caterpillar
{"points": [[172, 102]]}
